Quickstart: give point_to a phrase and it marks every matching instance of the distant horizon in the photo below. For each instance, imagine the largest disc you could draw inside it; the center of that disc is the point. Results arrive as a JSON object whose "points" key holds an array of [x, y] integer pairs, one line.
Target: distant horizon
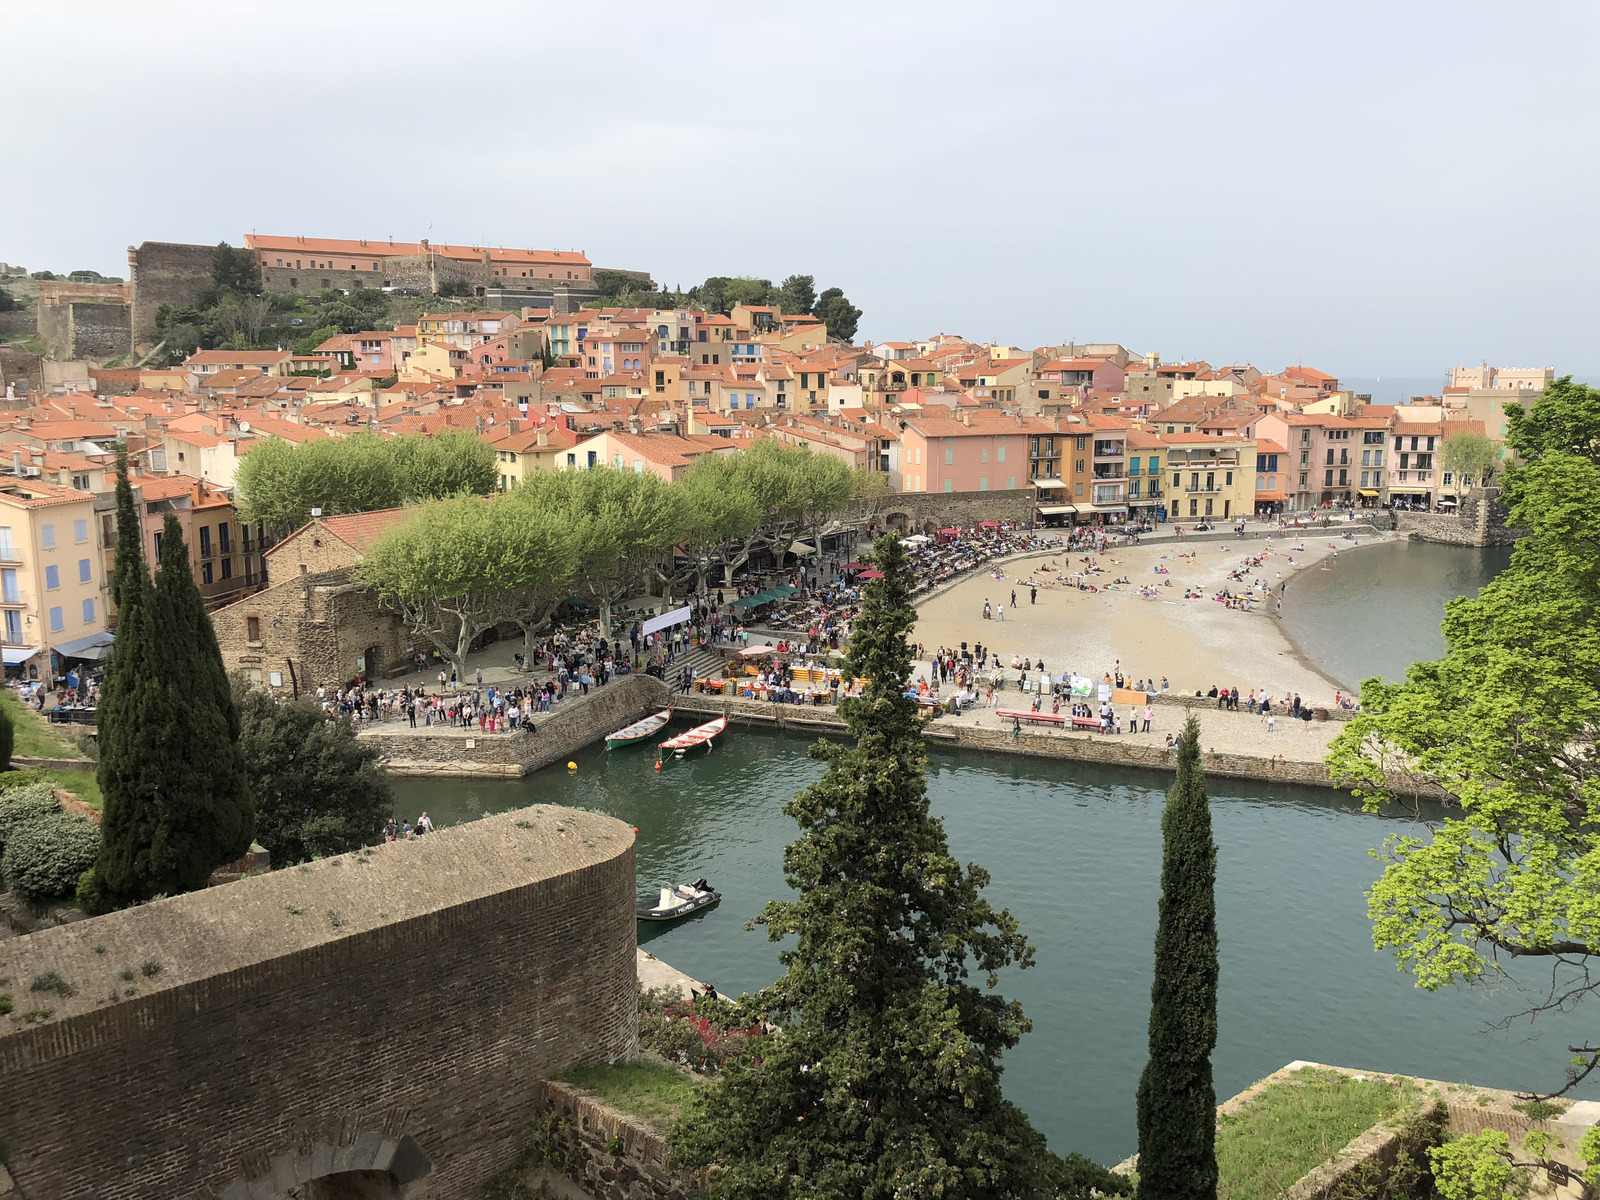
{"points": [[1395, 188]]}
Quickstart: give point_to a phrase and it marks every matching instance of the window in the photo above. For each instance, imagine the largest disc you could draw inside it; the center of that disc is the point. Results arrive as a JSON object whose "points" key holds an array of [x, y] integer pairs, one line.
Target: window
{"points": [[1194, 508], [205, 571], [1364, 475], [949, 485], [1330, 456], [983, 455], [8, 587], [949, 456], [1328, 479], [58, 620], [47, 536], [7, 552], [1000, 454], [1208, 508], [85, 573], [1227, 478], [222, 532], [158, 552], [80, 531], [13, 625], [1011, 482], [252, 629], [227, 568], [88, 612], [52, 578], [983, 483], [1344, 478]]}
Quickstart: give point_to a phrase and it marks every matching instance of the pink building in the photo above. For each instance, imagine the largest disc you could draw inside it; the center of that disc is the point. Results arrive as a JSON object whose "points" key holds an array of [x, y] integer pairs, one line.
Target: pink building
{"points": [[1331, 460], [977, 453]]}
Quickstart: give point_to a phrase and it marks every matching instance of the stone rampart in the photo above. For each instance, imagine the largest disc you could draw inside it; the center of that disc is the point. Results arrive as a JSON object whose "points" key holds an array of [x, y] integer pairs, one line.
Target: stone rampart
{"points": [[393, 1010], [1481, 520], [164, 273], [573, 724], [604, 1153]]}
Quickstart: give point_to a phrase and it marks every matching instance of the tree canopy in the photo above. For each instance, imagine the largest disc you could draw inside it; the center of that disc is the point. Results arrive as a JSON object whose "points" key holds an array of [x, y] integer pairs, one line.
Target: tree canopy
{"points": [[885, 1079], [1470, 456], [838, 314], [1506, 723], [281, 483], [318, 789], [456, 568]]}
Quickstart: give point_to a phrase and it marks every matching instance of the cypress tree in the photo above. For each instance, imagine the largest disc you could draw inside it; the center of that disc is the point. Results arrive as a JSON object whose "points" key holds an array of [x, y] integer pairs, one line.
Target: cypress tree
{"points": [[176, 801], [885, 1077], [8, 737], [1177, 1101]]}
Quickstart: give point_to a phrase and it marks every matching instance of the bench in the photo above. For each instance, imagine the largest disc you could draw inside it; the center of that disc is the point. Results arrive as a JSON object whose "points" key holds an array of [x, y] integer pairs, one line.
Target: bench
{"points": [[1027, 714], [1086, 723]]}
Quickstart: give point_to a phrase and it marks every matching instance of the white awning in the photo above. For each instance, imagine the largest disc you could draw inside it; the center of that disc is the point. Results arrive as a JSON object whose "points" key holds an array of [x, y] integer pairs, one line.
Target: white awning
{"points": [[1048, 483], [1056, 510], [14, 655], [802, 549]]}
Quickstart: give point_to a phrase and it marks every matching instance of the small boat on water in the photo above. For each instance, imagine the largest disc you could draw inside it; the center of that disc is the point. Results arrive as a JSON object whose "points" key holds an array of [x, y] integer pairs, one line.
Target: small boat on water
{"points": [[678, 902], [700, 735], [639, 730]]}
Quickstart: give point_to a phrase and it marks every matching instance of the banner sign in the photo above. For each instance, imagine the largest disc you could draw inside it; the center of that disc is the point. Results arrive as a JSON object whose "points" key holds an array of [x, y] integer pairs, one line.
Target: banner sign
{"points": [[666, 620]]}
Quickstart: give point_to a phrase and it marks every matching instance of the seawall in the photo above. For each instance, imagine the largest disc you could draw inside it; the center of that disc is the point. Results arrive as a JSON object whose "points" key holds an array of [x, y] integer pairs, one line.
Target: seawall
{"points": [[1051, 743], [572, 725]]}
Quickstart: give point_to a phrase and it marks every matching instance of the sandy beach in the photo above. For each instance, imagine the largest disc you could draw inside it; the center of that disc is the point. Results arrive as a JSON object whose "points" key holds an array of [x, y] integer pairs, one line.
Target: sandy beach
{"points": [[1195, 643]]}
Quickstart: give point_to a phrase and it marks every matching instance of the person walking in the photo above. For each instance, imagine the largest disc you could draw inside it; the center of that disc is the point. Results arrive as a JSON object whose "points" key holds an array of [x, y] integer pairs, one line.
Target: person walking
{"points": [[1033, 594]]}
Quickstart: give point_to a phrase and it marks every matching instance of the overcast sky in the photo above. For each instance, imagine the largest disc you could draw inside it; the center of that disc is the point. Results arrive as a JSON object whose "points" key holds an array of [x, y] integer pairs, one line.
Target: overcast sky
{"points": [[1368, 187]]}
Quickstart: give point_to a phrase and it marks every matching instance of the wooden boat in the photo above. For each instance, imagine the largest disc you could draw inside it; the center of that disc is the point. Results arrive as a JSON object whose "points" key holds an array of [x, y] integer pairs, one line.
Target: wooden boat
{"points": [[700, 735], [678, 902], [639, 730]]}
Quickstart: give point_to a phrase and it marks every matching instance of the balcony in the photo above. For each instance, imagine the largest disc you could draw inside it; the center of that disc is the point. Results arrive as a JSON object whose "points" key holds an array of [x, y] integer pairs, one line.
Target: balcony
{"points": [[1109, 449], [1109, 471]]}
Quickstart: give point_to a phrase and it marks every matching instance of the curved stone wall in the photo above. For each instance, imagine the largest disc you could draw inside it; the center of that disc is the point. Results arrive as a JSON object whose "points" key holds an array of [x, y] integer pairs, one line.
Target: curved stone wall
{"points": [[386, 1011]]}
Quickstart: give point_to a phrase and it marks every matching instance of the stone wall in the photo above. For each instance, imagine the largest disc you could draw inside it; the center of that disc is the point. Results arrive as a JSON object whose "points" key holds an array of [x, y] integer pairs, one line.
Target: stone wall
{"points": [[164, 273], [607, 1154], [393, 1010], [560, 733], [1482, 520], [23, 370], [917, 511], [314, 630], [1050, 743]]}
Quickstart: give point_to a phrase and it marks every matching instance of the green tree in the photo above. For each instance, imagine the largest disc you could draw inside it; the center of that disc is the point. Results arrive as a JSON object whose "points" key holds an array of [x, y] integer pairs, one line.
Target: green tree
{"points": [[1177, 1104], [309, 343], [450, 571], [235, 270], [318, 787], [1470, 456], [448, 463], [885, 1080], [8, 737], [612, 284], [177, 805], [838, 314], [1505, 723], [718, 514], [797, 294], [8, 302]]}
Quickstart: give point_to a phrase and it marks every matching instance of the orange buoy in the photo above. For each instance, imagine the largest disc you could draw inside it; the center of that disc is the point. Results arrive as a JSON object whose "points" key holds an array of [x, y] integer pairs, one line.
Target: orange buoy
{"points": [[658, 764]]}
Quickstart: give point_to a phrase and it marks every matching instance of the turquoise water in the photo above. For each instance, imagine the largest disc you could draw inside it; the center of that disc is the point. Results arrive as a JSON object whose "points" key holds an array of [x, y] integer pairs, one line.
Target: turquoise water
{"points": [[1379, 609], [1075, 853]]}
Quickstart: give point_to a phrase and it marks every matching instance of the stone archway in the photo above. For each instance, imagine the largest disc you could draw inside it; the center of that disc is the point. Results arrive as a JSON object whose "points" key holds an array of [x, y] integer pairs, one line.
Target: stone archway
{"points": [[897, 520], [373, 1167]]}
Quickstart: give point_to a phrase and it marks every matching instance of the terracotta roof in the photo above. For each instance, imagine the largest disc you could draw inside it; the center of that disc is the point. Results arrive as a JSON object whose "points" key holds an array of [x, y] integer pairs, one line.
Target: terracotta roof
{"points": [[360, 530], [359, 249]]}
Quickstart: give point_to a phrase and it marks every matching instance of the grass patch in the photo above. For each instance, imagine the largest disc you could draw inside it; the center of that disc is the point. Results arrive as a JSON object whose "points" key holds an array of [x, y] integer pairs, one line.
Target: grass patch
{"points": [[35, 739], [652, 1090], [82, 784], [1291, 1127]]}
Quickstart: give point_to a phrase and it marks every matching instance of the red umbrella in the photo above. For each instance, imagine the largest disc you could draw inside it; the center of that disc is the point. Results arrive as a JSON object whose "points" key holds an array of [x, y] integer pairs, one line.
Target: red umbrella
{"points": [[872, 574], [855, 566]]}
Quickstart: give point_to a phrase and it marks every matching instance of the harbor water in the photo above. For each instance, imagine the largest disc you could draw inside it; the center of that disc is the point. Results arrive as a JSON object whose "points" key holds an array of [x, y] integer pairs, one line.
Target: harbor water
{"points": [[1075, 853]]}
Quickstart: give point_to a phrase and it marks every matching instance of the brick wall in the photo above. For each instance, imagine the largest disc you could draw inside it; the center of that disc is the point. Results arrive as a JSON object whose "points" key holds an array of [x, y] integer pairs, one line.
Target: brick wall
{"points": [[164, 273], [274, 1045]]}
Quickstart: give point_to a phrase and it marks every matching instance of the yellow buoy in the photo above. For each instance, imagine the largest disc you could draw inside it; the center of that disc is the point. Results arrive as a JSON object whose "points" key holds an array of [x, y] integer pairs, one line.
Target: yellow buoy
{"points": [[572, 766]]}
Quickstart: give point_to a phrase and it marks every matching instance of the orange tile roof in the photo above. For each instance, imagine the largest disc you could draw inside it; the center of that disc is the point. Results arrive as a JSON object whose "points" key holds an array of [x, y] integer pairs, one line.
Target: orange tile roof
{"points": [[363, 248]]}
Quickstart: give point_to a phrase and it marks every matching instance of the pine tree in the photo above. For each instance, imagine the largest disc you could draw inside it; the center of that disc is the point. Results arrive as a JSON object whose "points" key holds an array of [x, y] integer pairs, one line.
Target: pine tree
{"points": [[1177, 1101], [885, 1077], [176, 802]]}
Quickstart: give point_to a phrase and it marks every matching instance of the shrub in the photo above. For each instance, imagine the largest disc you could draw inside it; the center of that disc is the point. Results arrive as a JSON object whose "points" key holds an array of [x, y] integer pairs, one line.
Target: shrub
{"points": [[10, 781], [23, 804], [45, 858], [91, 896]]}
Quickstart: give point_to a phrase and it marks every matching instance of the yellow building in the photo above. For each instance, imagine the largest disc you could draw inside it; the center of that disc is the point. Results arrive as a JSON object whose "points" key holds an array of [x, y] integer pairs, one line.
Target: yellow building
{"points": [[520, 452], [1209, 476], [52, 586]]}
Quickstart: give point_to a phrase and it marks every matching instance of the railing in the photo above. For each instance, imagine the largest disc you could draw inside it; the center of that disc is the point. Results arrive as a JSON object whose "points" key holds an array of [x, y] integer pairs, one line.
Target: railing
{"points": [[1109, 473]]}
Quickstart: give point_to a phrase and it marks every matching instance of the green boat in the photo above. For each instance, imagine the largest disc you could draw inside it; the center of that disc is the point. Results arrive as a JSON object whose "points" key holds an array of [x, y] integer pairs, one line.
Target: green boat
{"points": [[639, 730]]}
